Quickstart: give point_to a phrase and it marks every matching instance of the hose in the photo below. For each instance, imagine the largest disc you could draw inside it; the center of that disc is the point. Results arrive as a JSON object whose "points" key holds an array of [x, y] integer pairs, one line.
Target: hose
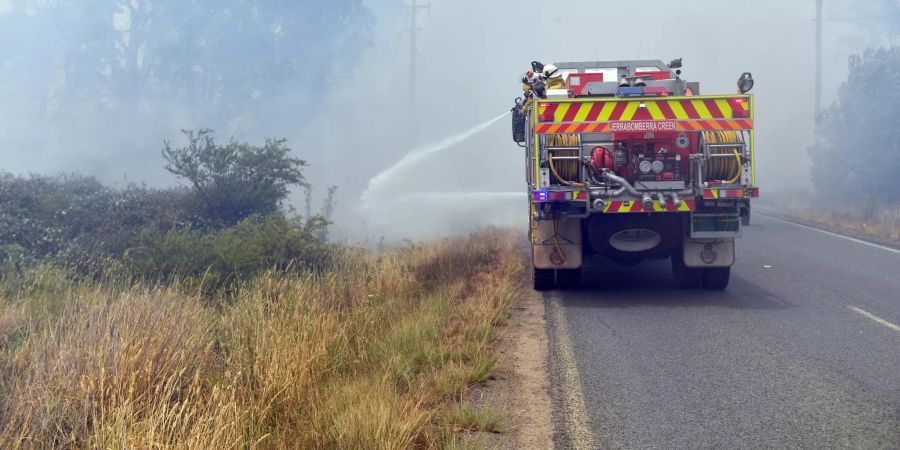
{"points": [[726, 170], [565, 170], [559, 178], [737, 176], [556, 244]]}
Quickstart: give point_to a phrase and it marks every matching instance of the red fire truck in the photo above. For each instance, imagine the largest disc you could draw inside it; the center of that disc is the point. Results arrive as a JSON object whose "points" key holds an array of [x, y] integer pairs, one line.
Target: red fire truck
{"points": [[630, 162]]}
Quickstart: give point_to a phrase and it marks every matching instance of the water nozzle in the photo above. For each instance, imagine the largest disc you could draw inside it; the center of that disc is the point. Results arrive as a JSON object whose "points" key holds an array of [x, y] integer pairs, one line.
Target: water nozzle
{"points": [[647, 202]]}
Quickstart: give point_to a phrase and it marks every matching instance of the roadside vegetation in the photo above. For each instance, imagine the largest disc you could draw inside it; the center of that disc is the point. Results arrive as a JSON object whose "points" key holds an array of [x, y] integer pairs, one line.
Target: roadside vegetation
{"points": [[856, 156], [375, 352], [879, 222], [210, 316], [227, 220]]}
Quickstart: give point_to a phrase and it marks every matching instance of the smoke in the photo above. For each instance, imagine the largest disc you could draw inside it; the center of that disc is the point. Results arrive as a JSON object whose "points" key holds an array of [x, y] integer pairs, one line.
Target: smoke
{"points": [[344, 101], [424, 214], [393, 174], [471, 55]]}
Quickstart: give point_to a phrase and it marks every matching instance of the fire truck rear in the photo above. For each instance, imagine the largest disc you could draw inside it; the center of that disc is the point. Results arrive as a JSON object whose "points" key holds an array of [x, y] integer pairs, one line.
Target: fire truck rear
{"points": [[630, 162]]}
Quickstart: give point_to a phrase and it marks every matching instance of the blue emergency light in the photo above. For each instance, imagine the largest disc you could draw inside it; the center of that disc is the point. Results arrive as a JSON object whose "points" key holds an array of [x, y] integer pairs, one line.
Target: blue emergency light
{"points": [[636, 91]]}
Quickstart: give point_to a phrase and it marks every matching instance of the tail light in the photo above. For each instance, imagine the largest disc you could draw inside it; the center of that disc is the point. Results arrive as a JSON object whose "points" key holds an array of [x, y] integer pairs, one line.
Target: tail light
{"points": [[740, 108], [558, 196]]}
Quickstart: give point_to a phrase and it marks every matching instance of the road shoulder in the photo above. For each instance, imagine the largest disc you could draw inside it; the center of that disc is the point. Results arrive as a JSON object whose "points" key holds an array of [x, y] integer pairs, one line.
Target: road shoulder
{"points": [[776, 213], [519, 391]]}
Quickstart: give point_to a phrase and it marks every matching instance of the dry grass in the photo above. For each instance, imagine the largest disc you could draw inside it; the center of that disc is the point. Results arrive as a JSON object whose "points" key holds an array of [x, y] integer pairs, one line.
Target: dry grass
{"points": [[376, 354], [885, 226], [879, 221]]}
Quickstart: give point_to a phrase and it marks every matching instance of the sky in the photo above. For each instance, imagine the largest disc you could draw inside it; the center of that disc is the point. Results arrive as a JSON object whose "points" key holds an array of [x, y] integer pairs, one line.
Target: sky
{"points": [[470, 55]]}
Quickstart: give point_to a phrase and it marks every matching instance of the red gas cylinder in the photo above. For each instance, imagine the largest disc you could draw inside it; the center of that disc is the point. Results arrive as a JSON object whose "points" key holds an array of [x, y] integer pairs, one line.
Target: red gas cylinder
{"points": [[602, 158]]}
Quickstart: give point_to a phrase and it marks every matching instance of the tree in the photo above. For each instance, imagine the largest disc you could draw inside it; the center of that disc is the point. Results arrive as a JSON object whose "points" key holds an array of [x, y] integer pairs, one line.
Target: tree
{"points": [[216, 60], [857, 154], [235, 180]]}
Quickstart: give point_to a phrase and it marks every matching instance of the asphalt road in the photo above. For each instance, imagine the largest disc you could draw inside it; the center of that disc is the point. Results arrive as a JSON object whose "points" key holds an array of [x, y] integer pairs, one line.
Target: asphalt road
{"points": [[802, 350]]}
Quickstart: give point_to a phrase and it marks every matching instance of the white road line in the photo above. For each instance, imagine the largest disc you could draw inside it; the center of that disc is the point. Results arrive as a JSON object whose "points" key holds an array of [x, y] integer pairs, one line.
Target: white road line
{"points": [[874, 318], [858, 241], [576, 420]]}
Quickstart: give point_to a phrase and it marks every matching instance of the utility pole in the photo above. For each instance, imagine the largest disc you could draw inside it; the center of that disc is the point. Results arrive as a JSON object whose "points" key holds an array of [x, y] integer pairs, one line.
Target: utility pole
{"points": [[818, 60], [414, 9]]}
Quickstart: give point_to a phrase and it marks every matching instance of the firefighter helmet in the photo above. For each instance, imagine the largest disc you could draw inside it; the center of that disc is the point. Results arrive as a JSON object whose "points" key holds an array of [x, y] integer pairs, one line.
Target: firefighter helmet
{"points": [[551, 71]]}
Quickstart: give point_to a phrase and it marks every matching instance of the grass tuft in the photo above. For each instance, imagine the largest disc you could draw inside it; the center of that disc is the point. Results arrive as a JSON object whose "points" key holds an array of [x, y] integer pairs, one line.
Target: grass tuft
{"points": [[467, 418]]}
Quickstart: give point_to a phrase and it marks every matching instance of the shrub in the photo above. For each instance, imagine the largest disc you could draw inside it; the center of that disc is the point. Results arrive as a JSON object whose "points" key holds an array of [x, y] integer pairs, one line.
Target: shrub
{"points": [[254, 245], [229, 224], [74, 218], [235, 180]]}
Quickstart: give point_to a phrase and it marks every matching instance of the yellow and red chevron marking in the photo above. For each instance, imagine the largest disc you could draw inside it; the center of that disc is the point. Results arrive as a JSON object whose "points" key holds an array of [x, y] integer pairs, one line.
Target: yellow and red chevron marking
{"points": [[617, 109], [659, 114], [606, 127], [713, 194], [635, 206]]}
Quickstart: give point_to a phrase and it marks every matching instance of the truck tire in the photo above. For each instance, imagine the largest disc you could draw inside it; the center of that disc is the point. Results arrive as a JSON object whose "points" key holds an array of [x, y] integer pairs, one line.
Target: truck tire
{"points": [[543, 279], [717, 278], [685, 277], [568, 278]]}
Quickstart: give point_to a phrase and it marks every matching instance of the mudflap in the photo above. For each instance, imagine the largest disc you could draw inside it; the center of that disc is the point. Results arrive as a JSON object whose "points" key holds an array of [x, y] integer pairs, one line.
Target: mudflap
{"points": [[708, 253], [557, 246]]}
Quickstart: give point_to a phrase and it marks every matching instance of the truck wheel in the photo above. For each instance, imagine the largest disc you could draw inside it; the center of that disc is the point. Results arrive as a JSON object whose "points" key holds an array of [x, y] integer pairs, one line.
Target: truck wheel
{"points": [[716, 278], [568, 278], [686, 277], [543, 279]]}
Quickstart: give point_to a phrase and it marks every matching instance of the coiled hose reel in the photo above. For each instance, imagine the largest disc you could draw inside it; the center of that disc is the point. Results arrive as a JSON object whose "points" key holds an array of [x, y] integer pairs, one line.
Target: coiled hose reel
{"points": [[724, 169], [565, 170]]}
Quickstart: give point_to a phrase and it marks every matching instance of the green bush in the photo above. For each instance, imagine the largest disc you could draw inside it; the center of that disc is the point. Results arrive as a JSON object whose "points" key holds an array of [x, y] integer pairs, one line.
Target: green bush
{"points": [[255, 244], [75, 218], [229, 224], [236, 180]]}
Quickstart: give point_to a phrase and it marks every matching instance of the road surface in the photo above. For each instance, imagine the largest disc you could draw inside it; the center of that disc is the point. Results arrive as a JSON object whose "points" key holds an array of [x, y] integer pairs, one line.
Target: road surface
{"points": [[802, 350]]}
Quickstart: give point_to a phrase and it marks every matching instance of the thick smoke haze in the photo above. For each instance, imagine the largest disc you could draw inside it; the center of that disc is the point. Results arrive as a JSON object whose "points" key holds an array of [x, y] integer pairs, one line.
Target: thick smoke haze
{"points": [[350, 119], [471, 54]]}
